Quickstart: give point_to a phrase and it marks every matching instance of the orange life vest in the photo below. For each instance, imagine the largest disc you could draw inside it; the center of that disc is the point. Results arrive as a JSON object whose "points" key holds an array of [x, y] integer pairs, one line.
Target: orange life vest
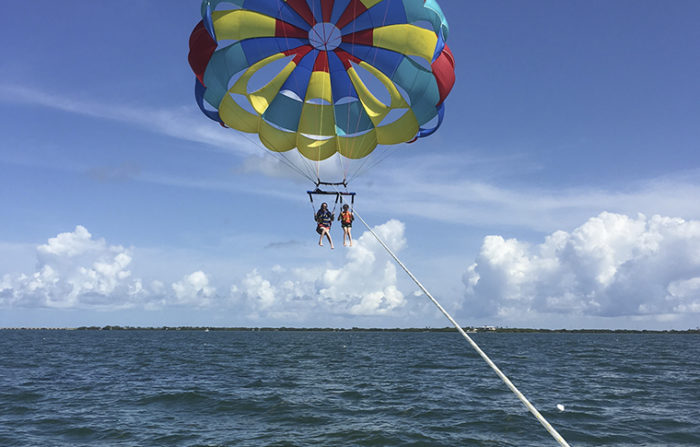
{"points": [[346, 217]]}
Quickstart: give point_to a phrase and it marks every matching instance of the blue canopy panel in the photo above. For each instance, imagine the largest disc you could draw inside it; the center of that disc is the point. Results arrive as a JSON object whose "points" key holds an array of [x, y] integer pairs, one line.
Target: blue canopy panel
{"points": [[208, 23], [338, 7], [317, 9], [199, 90], [340, 80], [426, 132], [438, 47], [298, 80], [259, 48], [386, 61], [383, 13], [278, 9]]}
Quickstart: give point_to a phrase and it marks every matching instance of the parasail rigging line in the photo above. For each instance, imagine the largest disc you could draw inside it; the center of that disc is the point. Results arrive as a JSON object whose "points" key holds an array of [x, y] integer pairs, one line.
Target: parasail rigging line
{"points": [[552, 431], [371, 161], [279, 155]]}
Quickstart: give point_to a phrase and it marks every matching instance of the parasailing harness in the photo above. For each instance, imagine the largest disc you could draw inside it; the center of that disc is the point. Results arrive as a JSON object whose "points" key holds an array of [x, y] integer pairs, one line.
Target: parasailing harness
{"points": [[337, 193]]}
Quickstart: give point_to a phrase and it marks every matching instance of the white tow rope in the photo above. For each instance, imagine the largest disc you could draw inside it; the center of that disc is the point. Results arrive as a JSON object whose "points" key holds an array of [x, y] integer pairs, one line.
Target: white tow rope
{"points": [[476, 347]]}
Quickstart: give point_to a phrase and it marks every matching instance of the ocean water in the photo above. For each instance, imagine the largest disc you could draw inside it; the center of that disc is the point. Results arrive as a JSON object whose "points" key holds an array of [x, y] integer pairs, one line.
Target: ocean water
{"points": [[186, 388]]}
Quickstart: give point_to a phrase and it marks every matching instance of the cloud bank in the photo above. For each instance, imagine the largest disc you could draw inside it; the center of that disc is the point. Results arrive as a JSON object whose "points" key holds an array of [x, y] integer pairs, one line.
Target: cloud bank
{"points": [[611, 266], [74, 270]]}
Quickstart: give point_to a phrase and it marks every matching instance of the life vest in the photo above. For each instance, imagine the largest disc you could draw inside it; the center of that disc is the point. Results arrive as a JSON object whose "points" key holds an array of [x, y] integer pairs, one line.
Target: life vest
{"points": [[346, 217], [325, 219]]}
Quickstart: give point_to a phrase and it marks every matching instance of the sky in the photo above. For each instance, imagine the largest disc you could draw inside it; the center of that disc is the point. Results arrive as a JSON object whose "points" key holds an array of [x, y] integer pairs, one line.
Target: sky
{"points": [[560, 192]]}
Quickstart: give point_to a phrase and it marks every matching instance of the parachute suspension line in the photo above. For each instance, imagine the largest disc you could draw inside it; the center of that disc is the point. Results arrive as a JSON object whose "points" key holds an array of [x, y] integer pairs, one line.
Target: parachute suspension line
{"points": [[562, 442], [307, 164], [343, 166], [284, 159], [304, 169], [372, 162], [363, 164], [278, 155]]}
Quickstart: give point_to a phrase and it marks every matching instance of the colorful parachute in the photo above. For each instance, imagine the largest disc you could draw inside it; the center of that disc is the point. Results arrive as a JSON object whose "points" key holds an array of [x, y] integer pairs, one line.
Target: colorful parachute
{"points": [[318, 102]]}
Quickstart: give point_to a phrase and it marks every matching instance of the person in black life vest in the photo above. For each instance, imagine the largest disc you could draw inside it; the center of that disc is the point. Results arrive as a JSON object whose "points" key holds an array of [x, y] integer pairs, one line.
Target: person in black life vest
{"points": [[324, 219], [346, 219]]}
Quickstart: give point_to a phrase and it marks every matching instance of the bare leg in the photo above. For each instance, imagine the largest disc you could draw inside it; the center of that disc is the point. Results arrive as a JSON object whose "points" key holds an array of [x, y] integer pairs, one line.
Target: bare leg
{"points": [[328, 235], [350, 234]]}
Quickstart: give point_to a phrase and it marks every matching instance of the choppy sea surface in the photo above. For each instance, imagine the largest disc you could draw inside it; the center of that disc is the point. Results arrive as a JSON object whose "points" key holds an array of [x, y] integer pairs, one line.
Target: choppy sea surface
{"points": [[186, 388]]}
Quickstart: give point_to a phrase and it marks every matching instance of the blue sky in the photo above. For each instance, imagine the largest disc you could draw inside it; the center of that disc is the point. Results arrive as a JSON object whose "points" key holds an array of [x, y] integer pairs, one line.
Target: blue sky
{"points": [[561, 190]]}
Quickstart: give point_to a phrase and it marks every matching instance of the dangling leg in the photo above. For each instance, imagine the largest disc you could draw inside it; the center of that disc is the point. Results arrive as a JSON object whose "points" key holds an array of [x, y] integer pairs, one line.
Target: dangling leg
{"points": [[328, 235]]}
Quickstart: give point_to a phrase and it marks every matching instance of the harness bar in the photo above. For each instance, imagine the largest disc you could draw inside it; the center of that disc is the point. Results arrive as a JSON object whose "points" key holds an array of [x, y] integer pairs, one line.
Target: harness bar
{"points": [[337, 194]]}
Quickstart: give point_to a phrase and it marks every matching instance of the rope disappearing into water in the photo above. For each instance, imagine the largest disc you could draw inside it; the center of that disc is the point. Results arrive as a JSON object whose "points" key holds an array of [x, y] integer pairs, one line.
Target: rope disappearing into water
{"points": [[476, 347]]}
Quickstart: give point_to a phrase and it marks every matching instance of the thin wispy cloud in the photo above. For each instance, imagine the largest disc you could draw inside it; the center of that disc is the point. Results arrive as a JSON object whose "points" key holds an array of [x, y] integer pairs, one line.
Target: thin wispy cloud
{"points": [[184, 123], [453, 191]]}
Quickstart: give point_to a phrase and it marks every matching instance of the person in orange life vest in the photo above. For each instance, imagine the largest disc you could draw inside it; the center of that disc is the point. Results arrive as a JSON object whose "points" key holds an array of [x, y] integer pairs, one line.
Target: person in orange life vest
{"points": [[346, 219], [324, 219]]}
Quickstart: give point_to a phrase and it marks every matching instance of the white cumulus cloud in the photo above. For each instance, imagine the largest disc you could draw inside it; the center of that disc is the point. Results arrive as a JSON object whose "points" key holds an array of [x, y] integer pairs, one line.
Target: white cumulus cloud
{"points": [[364, 284], [193, 289], [613, 265], [74, 269]]}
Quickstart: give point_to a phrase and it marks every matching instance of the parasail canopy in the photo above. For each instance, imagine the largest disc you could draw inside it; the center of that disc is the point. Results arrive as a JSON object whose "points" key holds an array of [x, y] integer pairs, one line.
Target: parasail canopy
{"points": [[343, 75]]}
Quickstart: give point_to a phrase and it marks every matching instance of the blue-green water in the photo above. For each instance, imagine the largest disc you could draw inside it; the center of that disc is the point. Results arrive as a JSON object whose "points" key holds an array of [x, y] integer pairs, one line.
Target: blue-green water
{"points": [[168, 388]]}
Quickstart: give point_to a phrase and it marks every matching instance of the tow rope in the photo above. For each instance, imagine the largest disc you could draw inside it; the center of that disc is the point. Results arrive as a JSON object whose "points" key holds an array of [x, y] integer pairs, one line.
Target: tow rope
{"points": [[476, 347]]}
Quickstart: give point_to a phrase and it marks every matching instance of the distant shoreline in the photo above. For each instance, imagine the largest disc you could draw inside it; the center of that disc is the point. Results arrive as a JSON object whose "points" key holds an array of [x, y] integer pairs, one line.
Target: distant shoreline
{"points": [[357, 329]]}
